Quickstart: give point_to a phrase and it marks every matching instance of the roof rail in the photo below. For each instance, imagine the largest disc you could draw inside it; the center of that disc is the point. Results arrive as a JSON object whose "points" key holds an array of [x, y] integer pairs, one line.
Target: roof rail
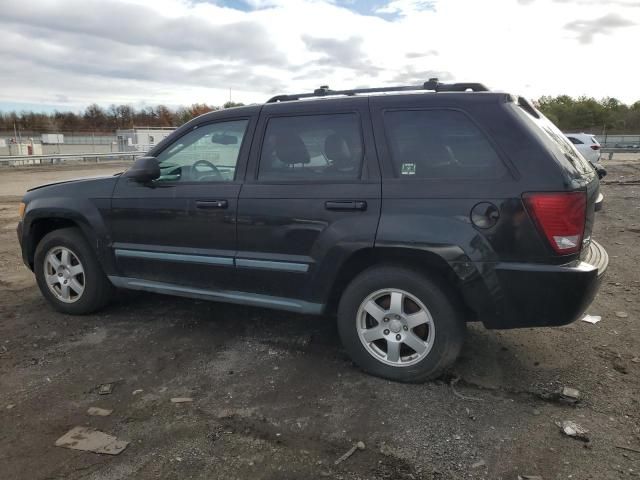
{"points": [[433, 84]]}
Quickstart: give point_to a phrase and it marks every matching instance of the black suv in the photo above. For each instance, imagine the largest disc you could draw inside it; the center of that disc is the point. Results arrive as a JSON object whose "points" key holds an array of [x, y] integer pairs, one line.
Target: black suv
{"points": [[405, 211]]}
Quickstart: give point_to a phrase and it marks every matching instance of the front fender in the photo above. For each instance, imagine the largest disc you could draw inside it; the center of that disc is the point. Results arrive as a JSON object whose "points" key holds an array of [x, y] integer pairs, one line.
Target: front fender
{"points": [[44, 214]]}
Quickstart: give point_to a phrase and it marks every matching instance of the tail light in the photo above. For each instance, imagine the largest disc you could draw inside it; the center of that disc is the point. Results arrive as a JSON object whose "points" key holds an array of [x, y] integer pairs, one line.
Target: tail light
{"points": [[595, 147], [561, 217]]}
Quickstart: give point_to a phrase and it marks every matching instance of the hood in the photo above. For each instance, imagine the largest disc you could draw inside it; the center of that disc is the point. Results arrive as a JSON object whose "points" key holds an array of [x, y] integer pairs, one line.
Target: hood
{"points": [[73, 180], [78, 189]]}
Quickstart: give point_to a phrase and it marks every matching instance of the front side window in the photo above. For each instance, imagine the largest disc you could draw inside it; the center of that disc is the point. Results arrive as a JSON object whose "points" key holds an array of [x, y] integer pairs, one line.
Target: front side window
{"points": [[439, 144], [312, 147], [208, 153]]}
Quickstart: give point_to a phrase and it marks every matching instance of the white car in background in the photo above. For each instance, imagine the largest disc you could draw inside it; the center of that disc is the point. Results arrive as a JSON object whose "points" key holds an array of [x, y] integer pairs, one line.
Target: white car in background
{"points": [[589, 147]]}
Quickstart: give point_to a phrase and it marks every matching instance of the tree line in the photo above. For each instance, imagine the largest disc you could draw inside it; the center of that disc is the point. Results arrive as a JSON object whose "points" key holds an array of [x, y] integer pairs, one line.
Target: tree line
{"points": [[587, 114], [104, 120]]}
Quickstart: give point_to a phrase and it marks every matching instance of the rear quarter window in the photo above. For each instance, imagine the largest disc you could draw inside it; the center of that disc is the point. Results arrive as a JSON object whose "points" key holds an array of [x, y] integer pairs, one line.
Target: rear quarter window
{"points": [[563, 149], [439, 144]]}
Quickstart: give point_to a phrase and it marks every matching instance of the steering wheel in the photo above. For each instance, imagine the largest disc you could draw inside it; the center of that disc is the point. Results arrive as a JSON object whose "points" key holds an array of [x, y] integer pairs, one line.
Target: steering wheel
{"points": [[214, 172]]}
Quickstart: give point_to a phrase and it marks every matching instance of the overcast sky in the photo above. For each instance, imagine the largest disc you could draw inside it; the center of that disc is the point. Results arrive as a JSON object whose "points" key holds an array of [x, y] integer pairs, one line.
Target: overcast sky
{"points": [[66, 54]]}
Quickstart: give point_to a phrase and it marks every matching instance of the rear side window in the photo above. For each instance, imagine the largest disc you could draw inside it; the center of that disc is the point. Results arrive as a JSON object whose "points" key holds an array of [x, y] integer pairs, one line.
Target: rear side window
{"points": [[439, 144], [575, 141], [562, 148], [312, 147]]}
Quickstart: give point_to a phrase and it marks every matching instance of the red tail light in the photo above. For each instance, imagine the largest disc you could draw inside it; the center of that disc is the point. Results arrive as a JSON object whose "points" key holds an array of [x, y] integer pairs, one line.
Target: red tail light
{"points": [[595, 147], [561, 217]]}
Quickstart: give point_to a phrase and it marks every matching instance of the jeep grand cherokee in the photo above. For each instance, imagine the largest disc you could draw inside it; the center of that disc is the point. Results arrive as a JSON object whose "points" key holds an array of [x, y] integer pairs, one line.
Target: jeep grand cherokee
{"points": [[403, 211]]}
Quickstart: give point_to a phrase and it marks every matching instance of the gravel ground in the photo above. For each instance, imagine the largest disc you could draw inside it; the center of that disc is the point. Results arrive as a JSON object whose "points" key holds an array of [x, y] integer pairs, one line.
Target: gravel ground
{"points": [[275, 397]]}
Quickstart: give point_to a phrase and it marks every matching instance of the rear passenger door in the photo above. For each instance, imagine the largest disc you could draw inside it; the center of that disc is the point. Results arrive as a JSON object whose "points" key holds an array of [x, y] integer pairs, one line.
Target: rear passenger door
{"points": [[310, 199], [446, 184]]}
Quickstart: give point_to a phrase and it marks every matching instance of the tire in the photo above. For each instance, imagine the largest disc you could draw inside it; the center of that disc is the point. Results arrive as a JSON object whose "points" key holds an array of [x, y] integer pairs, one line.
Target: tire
{"points": [[439, 331], [88, 290]]}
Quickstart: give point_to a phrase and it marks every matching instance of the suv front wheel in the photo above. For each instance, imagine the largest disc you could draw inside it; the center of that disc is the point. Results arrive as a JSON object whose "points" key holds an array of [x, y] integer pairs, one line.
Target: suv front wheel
{"points": [[400, 324], [69, 274]]}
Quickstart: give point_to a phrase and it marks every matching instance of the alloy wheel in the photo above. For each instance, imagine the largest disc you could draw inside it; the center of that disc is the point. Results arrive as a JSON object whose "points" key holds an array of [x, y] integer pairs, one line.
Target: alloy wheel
{"points": [[395, 327], [64, 274]]}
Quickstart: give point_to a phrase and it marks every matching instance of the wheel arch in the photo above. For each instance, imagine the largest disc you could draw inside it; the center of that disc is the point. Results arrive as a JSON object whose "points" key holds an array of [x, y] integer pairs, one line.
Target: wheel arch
{"points": [[422, 260], [39, 226]]}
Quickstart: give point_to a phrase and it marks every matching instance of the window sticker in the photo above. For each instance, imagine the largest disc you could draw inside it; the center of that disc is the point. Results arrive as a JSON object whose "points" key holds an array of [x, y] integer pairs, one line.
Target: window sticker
{"points": [[408, 169]]}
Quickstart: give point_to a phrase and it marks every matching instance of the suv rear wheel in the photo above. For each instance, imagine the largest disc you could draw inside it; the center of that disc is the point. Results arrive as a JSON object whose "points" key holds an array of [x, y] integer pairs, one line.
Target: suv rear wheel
{"points": [[400, 324], [69, 274]]}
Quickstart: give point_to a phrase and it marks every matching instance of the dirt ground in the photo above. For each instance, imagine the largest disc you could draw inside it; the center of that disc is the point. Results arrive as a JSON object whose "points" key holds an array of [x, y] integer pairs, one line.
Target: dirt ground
{"points": [[275, 396]]}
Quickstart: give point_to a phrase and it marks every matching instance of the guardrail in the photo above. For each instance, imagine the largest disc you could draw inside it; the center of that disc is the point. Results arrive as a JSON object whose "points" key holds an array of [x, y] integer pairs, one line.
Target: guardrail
{"points": [[53, 158], [611, 151]]}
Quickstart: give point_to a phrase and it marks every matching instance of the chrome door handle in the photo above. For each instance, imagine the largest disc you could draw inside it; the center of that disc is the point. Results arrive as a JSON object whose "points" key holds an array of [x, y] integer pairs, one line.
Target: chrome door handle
{"points": [[212, 204]]}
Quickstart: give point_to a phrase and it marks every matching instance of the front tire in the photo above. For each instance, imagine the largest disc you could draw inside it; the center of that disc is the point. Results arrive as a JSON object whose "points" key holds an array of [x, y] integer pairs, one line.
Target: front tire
{"points": [[68, 273], [400, 324]]}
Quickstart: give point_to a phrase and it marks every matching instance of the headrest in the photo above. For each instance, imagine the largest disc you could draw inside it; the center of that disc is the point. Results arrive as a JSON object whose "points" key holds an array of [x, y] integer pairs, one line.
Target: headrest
{"points": [[290, 148], [337, 149]]}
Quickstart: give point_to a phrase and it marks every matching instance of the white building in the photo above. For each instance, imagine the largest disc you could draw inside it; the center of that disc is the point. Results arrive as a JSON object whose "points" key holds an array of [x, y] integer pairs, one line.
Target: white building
{"points": [[141, 139], [52, 138]]}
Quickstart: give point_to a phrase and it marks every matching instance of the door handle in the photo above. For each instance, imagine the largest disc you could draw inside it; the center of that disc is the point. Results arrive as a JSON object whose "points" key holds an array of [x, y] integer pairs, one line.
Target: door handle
{"points": [[346, 205], [212, 204]]}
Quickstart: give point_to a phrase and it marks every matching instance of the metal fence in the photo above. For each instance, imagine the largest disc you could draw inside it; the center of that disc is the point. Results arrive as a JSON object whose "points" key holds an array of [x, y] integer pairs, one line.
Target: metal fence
{"points": [[70, 137], [27, 160], [619, 141]]}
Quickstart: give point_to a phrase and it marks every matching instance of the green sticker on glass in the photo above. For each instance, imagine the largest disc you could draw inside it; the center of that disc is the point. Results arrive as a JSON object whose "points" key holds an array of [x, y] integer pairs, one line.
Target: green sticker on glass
{"points": [[408, 169]]}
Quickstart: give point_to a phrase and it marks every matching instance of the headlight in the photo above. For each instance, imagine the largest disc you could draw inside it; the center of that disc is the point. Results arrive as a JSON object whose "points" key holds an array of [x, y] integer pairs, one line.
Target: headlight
{"points": [[21, 209]]}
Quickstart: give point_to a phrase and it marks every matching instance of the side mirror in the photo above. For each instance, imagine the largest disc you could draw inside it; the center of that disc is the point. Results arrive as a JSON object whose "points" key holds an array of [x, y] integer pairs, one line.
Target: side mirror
{"points": [[144, 170]]}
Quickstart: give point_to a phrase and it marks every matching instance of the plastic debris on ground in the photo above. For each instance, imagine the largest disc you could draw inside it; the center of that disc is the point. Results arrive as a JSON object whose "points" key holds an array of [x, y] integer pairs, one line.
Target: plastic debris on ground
{"points": [[105, 388], [99, 412], [351, 451], [181, 400], [572, 429], [591, 318], [90, 440], [570, 394]]}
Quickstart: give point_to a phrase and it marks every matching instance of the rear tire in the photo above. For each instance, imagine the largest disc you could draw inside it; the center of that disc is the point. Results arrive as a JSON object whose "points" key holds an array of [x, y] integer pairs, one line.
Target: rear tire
{"points": [[400, 324], [68, 273]]}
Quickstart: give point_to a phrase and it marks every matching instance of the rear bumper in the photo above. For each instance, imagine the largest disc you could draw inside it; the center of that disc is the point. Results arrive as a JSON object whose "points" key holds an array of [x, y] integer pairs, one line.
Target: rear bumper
{"points": [[548, 295]]}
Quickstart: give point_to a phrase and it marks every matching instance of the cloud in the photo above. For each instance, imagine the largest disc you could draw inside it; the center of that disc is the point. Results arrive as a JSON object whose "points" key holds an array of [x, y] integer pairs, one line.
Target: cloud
{"points": [[586, 30], [139, 25], [403, 8], [107, 58], [72, 53], [346, 53], [411, 76], [428, 53], [592, 3]]}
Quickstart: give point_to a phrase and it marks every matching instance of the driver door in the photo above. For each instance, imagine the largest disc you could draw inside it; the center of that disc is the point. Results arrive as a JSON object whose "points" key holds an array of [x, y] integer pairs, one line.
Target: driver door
{"points": [[181, 228]]}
